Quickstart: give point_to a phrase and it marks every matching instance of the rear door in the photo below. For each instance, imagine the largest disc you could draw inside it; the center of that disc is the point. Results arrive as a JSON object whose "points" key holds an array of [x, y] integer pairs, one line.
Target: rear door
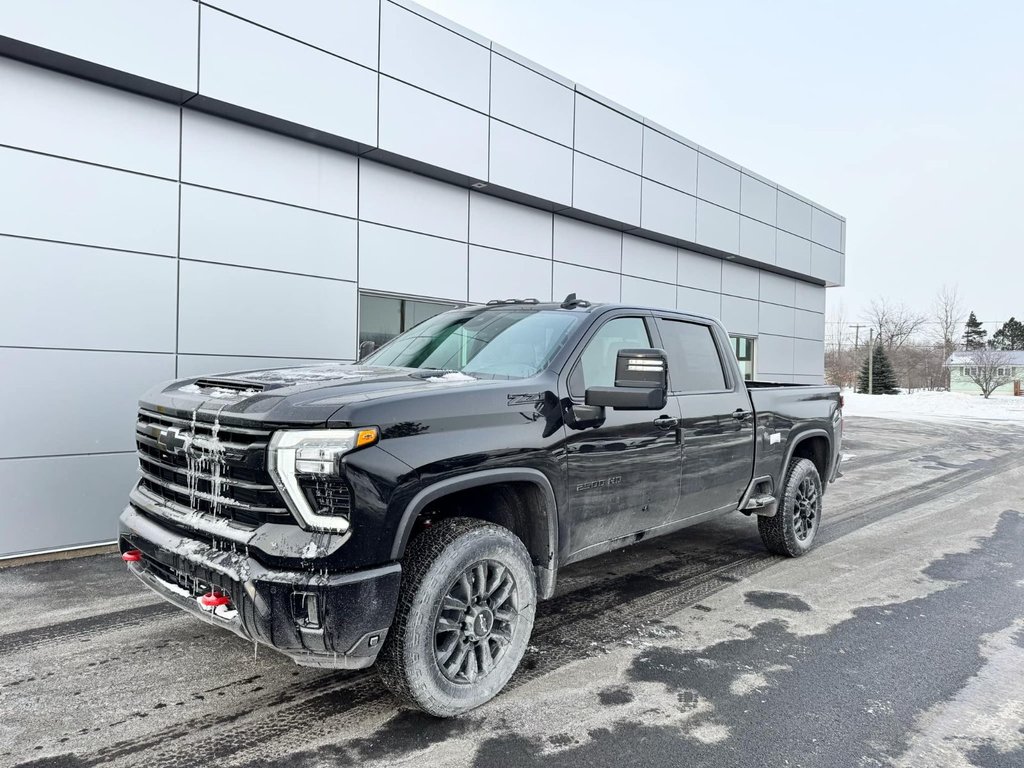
{"points": [[715, 413], [623, 475]]}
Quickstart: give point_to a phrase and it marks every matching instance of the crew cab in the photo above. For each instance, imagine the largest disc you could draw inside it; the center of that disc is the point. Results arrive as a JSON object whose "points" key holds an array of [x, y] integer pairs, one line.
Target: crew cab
{"points": [[412, 508]]}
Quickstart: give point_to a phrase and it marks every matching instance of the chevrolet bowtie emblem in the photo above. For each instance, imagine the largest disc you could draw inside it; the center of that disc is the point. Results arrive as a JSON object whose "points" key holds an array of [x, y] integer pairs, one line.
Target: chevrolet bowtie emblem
{"points": [[171, 440]]}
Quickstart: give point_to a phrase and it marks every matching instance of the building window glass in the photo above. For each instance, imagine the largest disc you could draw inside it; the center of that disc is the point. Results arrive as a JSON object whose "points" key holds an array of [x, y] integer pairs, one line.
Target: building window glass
{"points": [[381, 318], [743, 347]]}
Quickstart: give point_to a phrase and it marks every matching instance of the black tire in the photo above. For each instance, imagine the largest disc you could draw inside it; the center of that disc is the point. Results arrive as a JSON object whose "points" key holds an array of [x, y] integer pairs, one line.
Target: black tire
{"points": [[792, 530], [426, 657]]}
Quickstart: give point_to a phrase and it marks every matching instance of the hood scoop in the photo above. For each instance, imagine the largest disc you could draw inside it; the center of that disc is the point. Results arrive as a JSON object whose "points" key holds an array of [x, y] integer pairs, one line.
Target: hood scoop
{"points": [[229, 385]]}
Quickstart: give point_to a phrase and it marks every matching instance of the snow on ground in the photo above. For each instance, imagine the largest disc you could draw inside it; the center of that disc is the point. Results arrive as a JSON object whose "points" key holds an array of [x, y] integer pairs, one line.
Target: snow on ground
{"points": [[935, 406]]}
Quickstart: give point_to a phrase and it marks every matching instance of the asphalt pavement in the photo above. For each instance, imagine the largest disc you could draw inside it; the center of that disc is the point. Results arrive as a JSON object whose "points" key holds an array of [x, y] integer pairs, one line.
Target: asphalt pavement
{"points": [[898, 641]]}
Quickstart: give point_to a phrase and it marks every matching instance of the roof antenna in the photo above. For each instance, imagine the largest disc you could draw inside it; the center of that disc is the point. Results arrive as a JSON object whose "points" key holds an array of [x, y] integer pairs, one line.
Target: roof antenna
{"points": [[571, 302]]}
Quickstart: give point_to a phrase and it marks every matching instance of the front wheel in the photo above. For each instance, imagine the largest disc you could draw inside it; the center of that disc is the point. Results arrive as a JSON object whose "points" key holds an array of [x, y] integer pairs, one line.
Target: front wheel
{"points": [[792, 529], [464, 618]]}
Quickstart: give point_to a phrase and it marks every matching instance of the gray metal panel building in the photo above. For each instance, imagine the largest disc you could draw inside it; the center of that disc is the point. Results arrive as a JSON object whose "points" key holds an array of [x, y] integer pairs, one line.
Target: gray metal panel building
{"points": [[204, 186]]}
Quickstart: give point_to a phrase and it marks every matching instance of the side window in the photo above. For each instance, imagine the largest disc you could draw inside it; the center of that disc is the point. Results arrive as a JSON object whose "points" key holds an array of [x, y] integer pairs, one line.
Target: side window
{"points": [[693, 361], [596, 366]]}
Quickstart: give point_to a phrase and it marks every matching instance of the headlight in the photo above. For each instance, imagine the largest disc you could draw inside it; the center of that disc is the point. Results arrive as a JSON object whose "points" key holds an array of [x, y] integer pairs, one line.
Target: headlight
{"points": [[316, 453]]}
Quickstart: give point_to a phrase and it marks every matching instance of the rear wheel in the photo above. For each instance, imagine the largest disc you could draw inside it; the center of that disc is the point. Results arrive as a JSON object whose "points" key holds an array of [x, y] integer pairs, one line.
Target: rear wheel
{"points": [[792, 530], [465, 614]]}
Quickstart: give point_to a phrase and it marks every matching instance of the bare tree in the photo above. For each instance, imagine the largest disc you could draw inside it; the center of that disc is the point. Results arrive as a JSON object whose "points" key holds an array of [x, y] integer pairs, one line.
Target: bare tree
{"points": [[895, 324], [840, 357], [989, 368], [947, 318]]}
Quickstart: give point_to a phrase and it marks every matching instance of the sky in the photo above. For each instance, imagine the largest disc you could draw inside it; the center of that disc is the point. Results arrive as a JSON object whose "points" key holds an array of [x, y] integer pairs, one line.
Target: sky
{"points": [[905, 117]]}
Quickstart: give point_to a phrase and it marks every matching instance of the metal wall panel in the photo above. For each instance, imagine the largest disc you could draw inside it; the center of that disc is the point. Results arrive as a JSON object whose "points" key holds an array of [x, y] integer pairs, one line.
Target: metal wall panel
{"points": [[159, 44], [699, 302], [96, 206], [793, 215], [401, 199], [608, 135], [648, 293], [718, 183], [739, 280], [757, 241], [792, 252], [59, 295], [397, 261], [530, 164], [348, 29], [205, 365], [95, 414], [531, 101], [669, 162], [510, 227], [587, 244], [826, 264], [717, 227], [266, 72], [809, 296], [758, 200], [699, 271], [668, 211], [774, 357], [226, 155], [223, 311], [422, 53], [809, 325], [591, 284], [67, 501], [645, 258], [605, 190], [739, 315], [425, 127], [775, 319], [39, 103], [232, 229], [778, 289], [502, 275], [827, 230], [808, 356]]}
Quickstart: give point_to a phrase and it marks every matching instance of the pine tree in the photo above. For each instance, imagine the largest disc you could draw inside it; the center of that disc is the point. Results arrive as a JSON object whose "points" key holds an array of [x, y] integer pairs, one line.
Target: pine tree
{"points": [[1010, 336], [974, 334], [883, 377]]}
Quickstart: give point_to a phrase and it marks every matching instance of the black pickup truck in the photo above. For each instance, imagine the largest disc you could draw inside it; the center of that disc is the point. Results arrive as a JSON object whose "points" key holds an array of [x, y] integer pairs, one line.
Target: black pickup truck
{"points": [[412, 509]]}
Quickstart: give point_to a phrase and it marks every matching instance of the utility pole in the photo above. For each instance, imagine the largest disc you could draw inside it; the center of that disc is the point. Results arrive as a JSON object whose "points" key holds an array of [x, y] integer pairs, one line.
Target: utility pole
{"points": [[871, 363], [856, 336]]}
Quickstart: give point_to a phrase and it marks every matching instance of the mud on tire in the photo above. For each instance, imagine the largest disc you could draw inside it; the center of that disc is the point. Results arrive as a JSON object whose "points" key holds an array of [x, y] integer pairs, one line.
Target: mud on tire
{"points": [[792, 530], [464, 618]]}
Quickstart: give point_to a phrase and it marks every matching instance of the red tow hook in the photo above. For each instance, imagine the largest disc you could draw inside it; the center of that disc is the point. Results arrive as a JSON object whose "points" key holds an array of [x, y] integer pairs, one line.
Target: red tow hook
{"points": [[214, 600], [131, 556]]}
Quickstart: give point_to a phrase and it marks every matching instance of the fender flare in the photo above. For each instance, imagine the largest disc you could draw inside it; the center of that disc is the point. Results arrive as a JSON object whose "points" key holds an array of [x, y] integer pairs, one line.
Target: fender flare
{"points": [[801, 437], [475, 480]]}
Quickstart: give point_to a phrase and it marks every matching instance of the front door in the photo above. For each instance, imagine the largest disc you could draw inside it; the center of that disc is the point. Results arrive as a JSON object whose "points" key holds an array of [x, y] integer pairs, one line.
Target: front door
{"points": [[623, 475], [716, 418]]}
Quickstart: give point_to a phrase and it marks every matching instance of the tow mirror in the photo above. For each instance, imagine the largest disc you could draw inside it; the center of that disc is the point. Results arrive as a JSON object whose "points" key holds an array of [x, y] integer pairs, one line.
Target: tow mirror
{"points": [[641, 382]]}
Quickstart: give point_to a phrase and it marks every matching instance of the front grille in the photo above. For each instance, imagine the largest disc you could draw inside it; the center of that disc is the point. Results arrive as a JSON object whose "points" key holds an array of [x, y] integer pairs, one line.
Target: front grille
{"points": [[207, 467]]}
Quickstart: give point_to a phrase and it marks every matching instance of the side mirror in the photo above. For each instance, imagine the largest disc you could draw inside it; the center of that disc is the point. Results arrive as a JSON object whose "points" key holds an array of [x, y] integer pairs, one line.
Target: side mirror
{"points": [[641, 382]]}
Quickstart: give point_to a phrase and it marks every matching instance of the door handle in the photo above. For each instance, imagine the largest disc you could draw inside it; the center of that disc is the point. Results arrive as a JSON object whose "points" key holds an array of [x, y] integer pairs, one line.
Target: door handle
{"points": [[741, 415], [666, 422]]}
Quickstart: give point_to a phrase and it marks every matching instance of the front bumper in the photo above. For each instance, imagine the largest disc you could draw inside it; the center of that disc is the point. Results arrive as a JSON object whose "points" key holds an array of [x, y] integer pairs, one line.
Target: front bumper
{"points": [[316, 618]]}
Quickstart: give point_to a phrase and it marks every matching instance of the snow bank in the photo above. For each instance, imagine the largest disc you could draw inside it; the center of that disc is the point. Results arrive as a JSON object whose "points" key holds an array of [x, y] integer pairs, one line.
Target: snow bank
{"points": [[935, 406]]}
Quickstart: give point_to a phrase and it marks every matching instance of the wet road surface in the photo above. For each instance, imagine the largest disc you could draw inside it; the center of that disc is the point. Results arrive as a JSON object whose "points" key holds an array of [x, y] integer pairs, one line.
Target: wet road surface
{"points": [[898, 641]]}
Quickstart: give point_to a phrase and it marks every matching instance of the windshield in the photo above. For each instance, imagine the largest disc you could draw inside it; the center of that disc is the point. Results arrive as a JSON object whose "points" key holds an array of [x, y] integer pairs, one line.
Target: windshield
{"points": [[493, 343]]}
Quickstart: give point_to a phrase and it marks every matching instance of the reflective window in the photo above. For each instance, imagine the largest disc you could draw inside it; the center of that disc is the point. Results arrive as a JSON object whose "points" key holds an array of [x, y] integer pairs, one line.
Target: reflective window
{"points": [[381, 318], [693, 361], [743, 347]]}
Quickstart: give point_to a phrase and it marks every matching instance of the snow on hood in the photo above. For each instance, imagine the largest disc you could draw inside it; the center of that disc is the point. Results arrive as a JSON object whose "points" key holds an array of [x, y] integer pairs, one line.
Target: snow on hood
{"points": [[217, 392], [307, 373], [452, 377]]}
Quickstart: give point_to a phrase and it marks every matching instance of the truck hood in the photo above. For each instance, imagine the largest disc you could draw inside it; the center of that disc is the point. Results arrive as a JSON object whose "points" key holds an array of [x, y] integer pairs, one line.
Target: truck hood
{"points": [[302, 395]]}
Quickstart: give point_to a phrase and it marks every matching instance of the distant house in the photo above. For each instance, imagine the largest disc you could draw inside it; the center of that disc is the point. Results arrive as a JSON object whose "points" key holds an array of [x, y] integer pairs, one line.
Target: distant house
{"points": [[960, 364]]}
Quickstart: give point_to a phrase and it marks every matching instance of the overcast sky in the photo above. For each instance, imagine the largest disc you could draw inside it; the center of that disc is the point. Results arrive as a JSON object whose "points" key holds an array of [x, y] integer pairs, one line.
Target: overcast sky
{"points": [[905, 117]]}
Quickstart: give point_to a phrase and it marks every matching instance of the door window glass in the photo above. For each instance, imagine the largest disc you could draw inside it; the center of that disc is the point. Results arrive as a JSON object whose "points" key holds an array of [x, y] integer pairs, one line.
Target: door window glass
{"points": [[693, 361], [596, 367]]}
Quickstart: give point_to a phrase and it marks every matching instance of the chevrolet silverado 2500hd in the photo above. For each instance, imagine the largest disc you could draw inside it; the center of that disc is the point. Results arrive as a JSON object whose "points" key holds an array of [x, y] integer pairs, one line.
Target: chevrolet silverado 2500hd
{"points": [[411, 509]]}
